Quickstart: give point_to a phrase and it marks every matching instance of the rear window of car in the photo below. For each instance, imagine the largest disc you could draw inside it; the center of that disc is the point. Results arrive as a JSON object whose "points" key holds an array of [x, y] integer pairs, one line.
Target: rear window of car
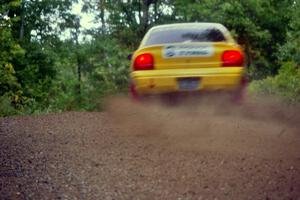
{"points": [[173, 35]]}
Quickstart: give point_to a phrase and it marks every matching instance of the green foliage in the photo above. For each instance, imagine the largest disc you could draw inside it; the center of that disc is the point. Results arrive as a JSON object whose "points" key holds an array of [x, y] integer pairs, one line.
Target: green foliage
{"points": [[40, 72], [286, 84], [10, 89], [105, 70], [290, 51], [6, 107], [259, 26]]}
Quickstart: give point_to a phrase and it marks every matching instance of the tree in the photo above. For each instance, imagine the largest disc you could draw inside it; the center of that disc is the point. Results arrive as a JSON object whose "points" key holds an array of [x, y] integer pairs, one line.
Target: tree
{"points": [[290, 50], [10, 90], [37, 31], [129, 20], [256, 24]]}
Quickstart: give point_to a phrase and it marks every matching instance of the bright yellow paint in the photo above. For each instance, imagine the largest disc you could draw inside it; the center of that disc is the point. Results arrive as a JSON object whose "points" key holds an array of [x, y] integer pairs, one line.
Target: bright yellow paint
{"points": [[164, 77]]}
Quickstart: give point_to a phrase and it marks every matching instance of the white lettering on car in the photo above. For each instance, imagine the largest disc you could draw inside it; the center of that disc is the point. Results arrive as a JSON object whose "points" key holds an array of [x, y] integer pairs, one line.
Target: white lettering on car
{"points": [[173, 51]]}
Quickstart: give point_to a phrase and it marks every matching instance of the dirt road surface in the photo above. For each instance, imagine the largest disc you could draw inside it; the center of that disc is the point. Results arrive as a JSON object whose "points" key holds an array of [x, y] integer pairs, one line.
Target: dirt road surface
{"points": [[203, 150]]}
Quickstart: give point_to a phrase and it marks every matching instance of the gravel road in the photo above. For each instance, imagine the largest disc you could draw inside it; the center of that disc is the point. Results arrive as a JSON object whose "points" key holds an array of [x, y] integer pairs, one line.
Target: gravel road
{"points": [[203, 150]]}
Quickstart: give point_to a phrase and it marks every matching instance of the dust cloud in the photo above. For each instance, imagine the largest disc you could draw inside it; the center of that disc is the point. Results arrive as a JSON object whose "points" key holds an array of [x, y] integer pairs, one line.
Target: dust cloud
{"points": [[259, 126]]}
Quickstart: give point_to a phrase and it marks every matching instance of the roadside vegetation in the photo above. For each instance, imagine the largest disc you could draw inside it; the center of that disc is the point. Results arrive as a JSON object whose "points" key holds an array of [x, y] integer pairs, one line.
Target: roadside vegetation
{"points": [[43, 70]]}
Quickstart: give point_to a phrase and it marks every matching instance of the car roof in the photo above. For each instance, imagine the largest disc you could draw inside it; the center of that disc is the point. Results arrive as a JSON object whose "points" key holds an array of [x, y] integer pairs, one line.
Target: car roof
{"points": [[191, 25]]}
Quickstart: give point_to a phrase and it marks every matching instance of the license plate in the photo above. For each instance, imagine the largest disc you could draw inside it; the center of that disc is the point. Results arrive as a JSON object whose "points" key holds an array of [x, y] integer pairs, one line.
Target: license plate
{"points": [[188, 83]]}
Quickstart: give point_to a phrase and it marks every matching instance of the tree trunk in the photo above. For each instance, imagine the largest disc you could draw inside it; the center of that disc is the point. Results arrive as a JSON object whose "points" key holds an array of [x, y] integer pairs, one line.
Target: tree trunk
{"points": [[140, 12], [79, 77], [102, 15], [145, 18], [155, 11], [247, 51], [21, 35], [77, 32]]}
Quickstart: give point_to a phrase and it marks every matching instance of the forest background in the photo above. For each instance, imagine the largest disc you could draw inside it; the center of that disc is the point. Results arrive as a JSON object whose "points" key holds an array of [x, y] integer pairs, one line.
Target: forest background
{"points": [[49, 62]]}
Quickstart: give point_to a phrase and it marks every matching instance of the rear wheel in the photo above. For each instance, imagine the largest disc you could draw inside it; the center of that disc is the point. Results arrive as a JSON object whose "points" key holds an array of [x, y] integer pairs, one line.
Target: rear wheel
{"points": [[133, 93], [240, 94]]}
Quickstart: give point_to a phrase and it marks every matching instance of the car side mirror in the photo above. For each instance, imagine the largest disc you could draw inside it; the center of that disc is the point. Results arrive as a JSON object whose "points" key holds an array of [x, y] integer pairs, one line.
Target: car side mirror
{"points": [[129, 56]]}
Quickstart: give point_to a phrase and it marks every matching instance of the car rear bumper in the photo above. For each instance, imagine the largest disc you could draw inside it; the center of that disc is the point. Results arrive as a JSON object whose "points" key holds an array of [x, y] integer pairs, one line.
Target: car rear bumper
{"points": [[165, 81]]}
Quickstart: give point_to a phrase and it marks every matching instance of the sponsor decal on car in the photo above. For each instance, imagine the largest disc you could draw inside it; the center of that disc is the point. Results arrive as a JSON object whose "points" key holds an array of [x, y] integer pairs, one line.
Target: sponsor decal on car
{"points": [[173, 51]]}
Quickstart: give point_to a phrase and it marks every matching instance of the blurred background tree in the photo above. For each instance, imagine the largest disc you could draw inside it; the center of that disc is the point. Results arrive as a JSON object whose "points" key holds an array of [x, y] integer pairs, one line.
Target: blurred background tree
{"points": [[44, 69]]}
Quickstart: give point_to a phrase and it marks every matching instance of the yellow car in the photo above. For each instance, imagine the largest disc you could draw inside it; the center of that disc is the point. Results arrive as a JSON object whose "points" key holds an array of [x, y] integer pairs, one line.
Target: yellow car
{"points": [[187, 57]]}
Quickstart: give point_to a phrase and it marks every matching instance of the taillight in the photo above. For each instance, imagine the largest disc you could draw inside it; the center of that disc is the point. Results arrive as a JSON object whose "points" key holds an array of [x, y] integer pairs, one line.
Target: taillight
{"points": [[144, 62], [233, 58]]}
